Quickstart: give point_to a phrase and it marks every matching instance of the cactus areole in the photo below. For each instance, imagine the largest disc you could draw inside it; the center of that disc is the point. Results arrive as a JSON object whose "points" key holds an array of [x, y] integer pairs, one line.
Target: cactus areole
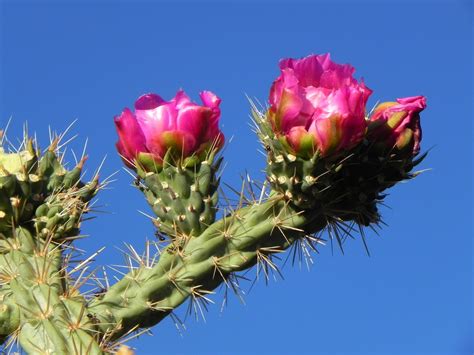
{"points": [[329, 165]]}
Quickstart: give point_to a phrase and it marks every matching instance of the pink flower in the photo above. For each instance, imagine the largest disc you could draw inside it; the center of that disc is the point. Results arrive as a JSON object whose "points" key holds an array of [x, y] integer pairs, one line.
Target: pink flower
{"points": [[397, 124], [316, 104], [158, 126]]}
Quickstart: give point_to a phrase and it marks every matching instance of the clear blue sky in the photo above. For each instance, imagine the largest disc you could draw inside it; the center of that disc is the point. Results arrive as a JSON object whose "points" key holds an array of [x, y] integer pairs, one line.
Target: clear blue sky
{"points": [[414, 294]]}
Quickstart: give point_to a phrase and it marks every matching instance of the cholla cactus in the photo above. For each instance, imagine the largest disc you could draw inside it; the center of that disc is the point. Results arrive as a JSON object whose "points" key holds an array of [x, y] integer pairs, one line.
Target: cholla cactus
{"points": [[327, 169], [42, 206]]}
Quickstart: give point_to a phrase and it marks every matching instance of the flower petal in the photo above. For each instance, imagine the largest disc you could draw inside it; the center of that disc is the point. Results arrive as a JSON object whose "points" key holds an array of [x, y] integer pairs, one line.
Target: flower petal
{"points": [[327, 134], [157, 120], [181, 100], [288, 111], [182, 143], [148, 102], [131, 137], [413, 103], [302, 142], [210, 99], [194, 120]]}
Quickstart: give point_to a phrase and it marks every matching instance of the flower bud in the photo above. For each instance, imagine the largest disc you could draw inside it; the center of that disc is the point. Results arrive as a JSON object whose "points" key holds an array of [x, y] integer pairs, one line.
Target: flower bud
{"points": [[396, 125]]}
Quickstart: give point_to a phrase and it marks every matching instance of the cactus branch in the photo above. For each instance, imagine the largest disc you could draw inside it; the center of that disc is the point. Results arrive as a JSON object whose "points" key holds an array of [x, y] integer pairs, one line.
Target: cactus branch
{"points": [[147, 295]]}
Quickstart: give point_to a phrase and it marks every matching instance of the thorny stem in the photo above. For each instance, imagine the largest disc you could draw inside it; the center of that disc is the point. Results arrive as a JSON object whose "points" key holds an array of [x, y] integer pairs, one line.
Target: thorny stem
{"points": [[145, 296], [48, 319]]}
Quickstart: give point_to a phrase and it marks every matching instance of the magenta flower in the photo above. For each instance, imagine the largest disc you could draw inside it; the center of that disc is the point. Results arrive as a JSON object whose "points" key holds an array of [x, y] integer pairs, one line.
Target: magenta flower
{"points": [[397, 124], [316, 104], [158, 126]]}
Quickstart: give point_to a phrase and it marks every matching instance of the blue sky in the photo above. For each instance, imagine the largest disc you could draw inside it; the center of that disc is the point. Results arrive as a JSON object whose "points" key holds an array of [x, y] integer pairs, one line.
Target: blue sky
{"points": [[413, 295]]}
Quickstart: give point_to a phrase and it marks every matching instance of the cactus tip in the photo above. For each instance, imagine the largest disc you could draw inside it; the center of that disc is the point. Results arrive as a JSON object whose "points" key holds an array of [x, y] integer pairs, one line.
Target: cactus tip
{"points": [[81, 162], [30, 146], [54, 144]]}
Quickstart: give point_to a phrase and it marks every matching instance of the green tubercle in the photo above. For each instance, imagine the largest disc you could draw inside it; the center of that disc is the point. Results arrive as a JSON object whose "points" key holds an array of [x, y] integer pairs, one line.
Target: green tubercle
{"points": [[183, 196]]}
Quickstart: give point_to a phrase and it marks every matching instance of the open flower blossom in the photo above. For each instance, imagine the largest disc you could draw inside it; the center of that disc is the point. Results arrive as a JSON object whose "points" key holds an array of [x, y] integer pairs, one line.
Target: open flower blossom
{"points": [[316, 104], [397, 124], [158, 126]]}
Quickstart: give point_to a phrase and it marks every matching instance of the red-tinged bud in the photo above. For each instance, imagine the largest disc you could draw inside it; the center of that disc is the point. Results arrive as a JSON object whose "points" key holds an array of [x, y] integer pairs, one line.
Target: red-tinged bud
{"points": [[396, 125]]}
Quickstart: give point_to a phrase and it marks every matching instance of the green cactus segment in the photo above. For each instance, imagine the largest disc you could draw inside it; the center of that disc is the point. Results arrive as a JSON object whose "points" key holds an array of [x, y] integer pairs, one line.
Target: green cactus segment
{"points": [[347, 186], [147, 295], [184, 198], [48, 316], [41, 192], [41, 208], [9, 315]]}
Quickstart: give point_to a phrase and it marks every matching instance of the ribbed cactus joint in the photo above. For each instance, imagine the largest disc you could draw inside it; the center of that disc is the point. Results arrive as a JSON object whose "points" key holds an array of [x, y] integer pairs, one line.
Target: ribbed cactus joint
{"points": [[204, 263]]}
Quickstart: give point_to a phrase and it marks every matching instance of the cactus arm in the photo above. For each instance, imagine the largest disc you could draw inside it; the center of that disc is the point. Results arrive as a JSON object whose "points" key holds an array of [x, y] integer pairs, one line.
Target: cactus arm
{"points": [[49, 322], [41, 208], [145, 296]]}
